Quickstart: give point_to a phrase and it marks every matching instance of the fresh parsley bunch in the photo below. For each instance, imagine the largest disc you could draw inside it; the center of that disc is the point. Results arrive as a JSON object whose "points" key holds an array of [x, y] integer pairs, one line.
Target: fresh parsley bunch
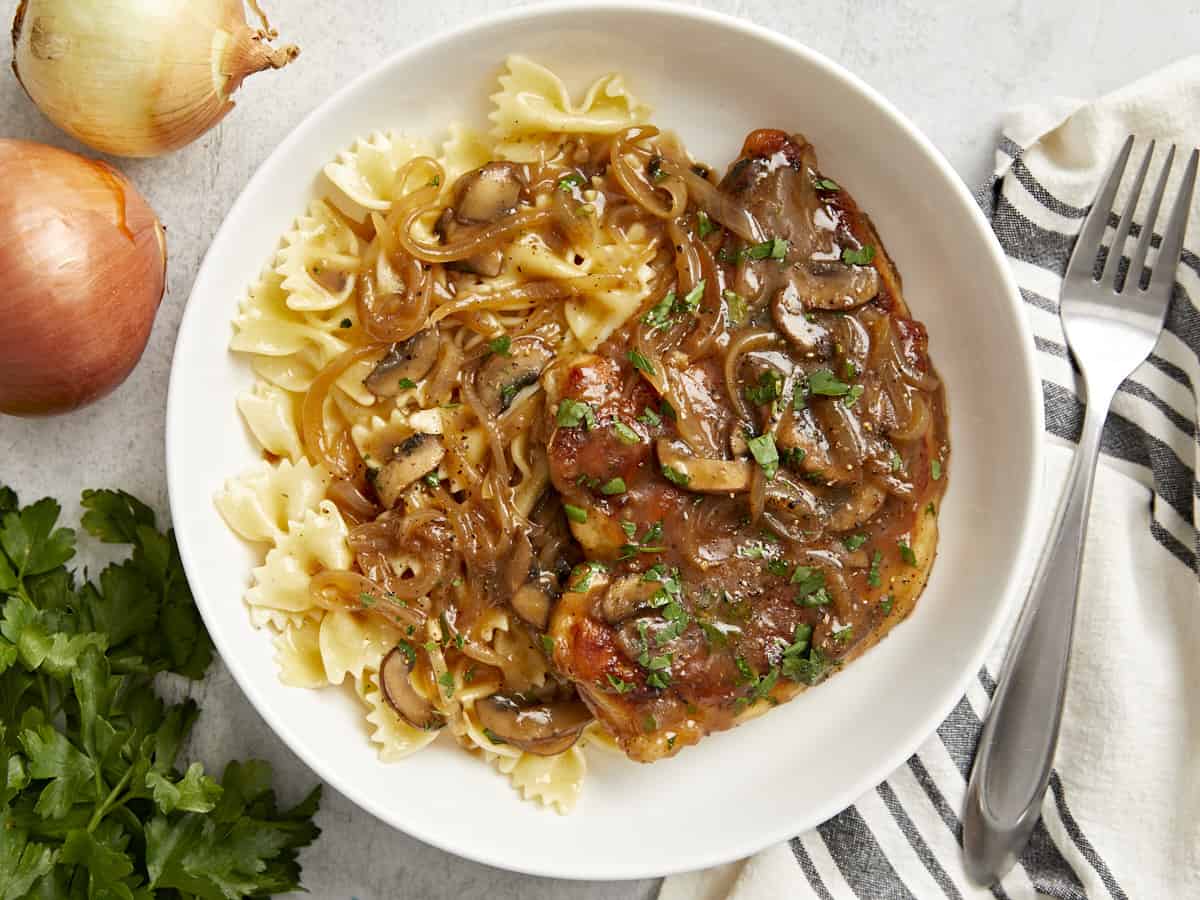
{"points": [[92, 801]]}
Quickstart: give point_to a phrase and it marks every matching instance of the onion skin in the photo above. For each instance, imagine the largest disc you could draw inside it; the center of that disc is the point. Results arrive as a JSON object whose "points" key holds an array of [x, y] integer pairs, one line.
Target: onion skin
{"points": [[83, 264], [133, 78]]}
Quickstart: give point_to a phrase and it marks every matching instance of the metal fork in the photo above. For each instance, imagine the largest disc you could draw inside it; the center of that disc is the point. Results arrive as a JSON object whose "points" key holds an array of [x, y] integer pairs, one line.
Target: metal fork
{"points": [[1111, 326]]}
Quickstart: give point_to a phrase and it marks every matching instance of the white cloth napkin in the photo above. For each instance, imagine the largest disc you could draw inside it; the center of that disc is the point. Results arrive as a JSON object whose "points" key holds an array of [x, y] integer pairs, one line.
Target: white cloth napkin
{"points": [[1122, 817]]}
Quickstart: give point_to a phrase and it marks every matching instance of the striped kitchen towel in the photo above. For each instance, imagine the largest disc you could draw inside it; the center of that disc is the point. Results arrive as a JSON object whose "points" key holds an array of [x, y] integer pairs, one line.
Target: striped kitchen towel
{"points": [[1122, 816]]}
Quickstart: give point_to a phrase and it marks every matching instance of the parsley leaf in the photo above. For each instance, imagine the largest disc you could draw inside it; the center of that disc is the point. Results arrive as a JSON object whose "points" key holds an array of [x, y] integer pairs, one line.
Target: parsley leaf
{"points": [[500, 346], [613, 486], [873, 578], [659, 315], [573, 413], [569, 182], [736, 307], [625, 434], [906, 553], [854, 541], [704, 225], [650, 417], [576, 514], [641, 363], [691, 301], [935, 470], [765, 453], [825, 383], [674, 476], [861, 257]]}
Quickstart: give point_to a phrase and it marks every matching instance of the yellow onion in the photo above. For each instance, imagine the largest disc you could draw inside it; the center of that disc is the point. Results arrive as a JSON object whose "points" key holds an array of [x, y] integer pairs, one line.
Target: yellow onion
{"points": [[83, 266], [137, 78]]}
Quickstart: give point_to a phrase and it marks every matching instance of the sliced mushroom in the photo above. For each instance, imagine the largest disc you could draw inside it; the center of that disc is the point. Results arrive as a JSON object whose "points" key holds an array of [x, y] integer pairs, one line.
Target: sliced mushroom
{"points": [[864, 500], [488, 193], [400, 694], [834, 286], [625, 597], [542, 729], [798, 430], [707, 476], [418, 455], [503, 376], [488, 263], [793, 320], [600, 535], [532, 602], [411, 359]]}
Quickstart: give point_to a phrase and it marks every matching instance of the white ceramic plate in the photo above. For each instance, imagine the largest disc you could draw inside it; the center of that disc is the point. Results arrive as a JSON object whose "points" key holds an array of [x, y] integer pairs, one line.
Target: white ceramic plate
{"points": [[712, 79]]}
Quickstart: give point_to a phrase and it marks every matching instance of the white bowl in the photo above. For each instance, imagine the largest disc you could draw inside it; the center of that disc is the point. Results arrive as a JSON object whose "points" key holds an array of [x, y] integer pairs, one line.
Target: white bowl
{"points": [[712, 79]]}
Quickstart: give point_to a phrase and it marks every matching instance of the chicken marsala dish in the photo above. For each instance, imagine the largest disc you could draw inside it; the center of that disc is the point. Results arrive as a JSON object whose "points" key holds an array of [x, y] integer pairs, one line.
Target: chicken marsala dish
{"points": [[608, 446]]}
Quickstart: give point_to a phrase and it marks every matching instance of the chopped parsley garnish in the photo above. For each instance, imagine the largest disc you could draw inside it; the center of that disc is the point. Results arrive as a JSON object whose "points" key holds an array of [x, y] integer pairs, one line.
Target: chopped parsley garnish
{"points": [[691, 301], [641, 363], [432, 479], [897, 462], [407, 651], [765, 453], [806, 670], [855, 541], [873, 578], [886, 604], [659, 315], [792, 456], [819, 597], [569, 182], [800, 637], [625, 434], [576, 514], [366, 599], [647, 544], [850, 370], [506, 394], [735, 307], [906, 553], [861, 257], [770, 384], [583, 574], [613, 486], [674, 476], [654, 168], [619, 685], [435, 181], [776, 248], [851, 398], [704, 225], [446, 680], [713, 635], [547, 644], [810, 586], [649, 723], [744, 668], [406, 384], [800, 394], [573, 413], [844, 634], [935, 470], [650, 417], [667, 410], [500, 345], [659, 668], [826, 184], [825, 383], [930, 509], [752, 550], [345, 323], [676, 617], [493, 737], [778, 567]]}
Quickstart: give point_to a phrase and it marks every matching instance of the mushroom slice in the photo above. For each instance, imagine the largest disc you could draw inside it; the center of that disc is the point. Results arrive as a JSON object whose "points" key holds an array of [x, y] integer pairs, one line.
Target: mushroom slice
{"points": [[419, 454], [791, 317], [600, 535], [400, 694], [531, 601], [503, 376], [864, 501], [488, 193], [626, 596], [543, 729], [708, 476], [835, 286], [411, 359]]}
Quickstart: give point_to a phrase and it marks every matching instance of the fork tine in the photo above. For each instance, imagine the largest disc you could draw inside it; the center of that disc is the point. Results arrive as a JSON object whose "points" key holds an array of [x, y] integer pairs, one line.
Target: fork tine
{"points": [[1163, 276], [1113, 262], [1087, 245], [1137, 261]]}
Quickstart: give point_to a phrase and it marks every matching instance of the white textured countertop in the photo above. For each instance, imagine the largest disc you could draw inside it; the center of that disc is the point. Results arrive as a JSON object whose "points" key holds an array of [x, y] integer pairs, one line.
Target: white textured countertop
{"points": [[953, 67]]}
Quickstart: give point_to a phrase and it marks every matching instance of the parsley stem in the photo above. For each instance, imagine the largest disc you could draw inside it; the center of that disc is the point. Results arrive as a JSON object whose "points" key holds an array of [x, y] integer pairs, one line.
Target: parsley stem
{"points": [[111, 800]]}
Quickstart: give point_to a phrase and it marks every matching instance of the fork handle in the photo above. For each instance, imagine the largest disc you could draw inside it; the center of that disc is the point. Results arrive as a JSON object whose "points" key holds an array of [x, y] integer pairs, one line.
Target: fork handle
{"points": [[1016, 747]]}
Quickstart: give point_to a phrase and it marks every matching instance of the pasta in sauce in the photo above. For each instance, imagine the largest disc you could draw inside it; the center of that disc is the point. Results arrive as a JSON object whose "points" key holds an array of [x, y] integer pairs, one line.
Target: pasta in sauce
{"points": [[571, 441]]}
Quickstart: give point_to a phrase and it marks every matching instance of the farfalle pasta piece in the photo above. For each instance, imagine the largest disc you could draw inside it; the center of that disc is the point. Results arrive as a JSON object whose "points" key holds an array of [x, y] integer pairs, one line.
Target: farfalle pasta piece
{"points": [[318, 260], [266, 325], [366, 173], [463, 151], [317, 541], [352, 643], [393, 737], [298, 655], [271, 414], [261, 503], [534, 100]]}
